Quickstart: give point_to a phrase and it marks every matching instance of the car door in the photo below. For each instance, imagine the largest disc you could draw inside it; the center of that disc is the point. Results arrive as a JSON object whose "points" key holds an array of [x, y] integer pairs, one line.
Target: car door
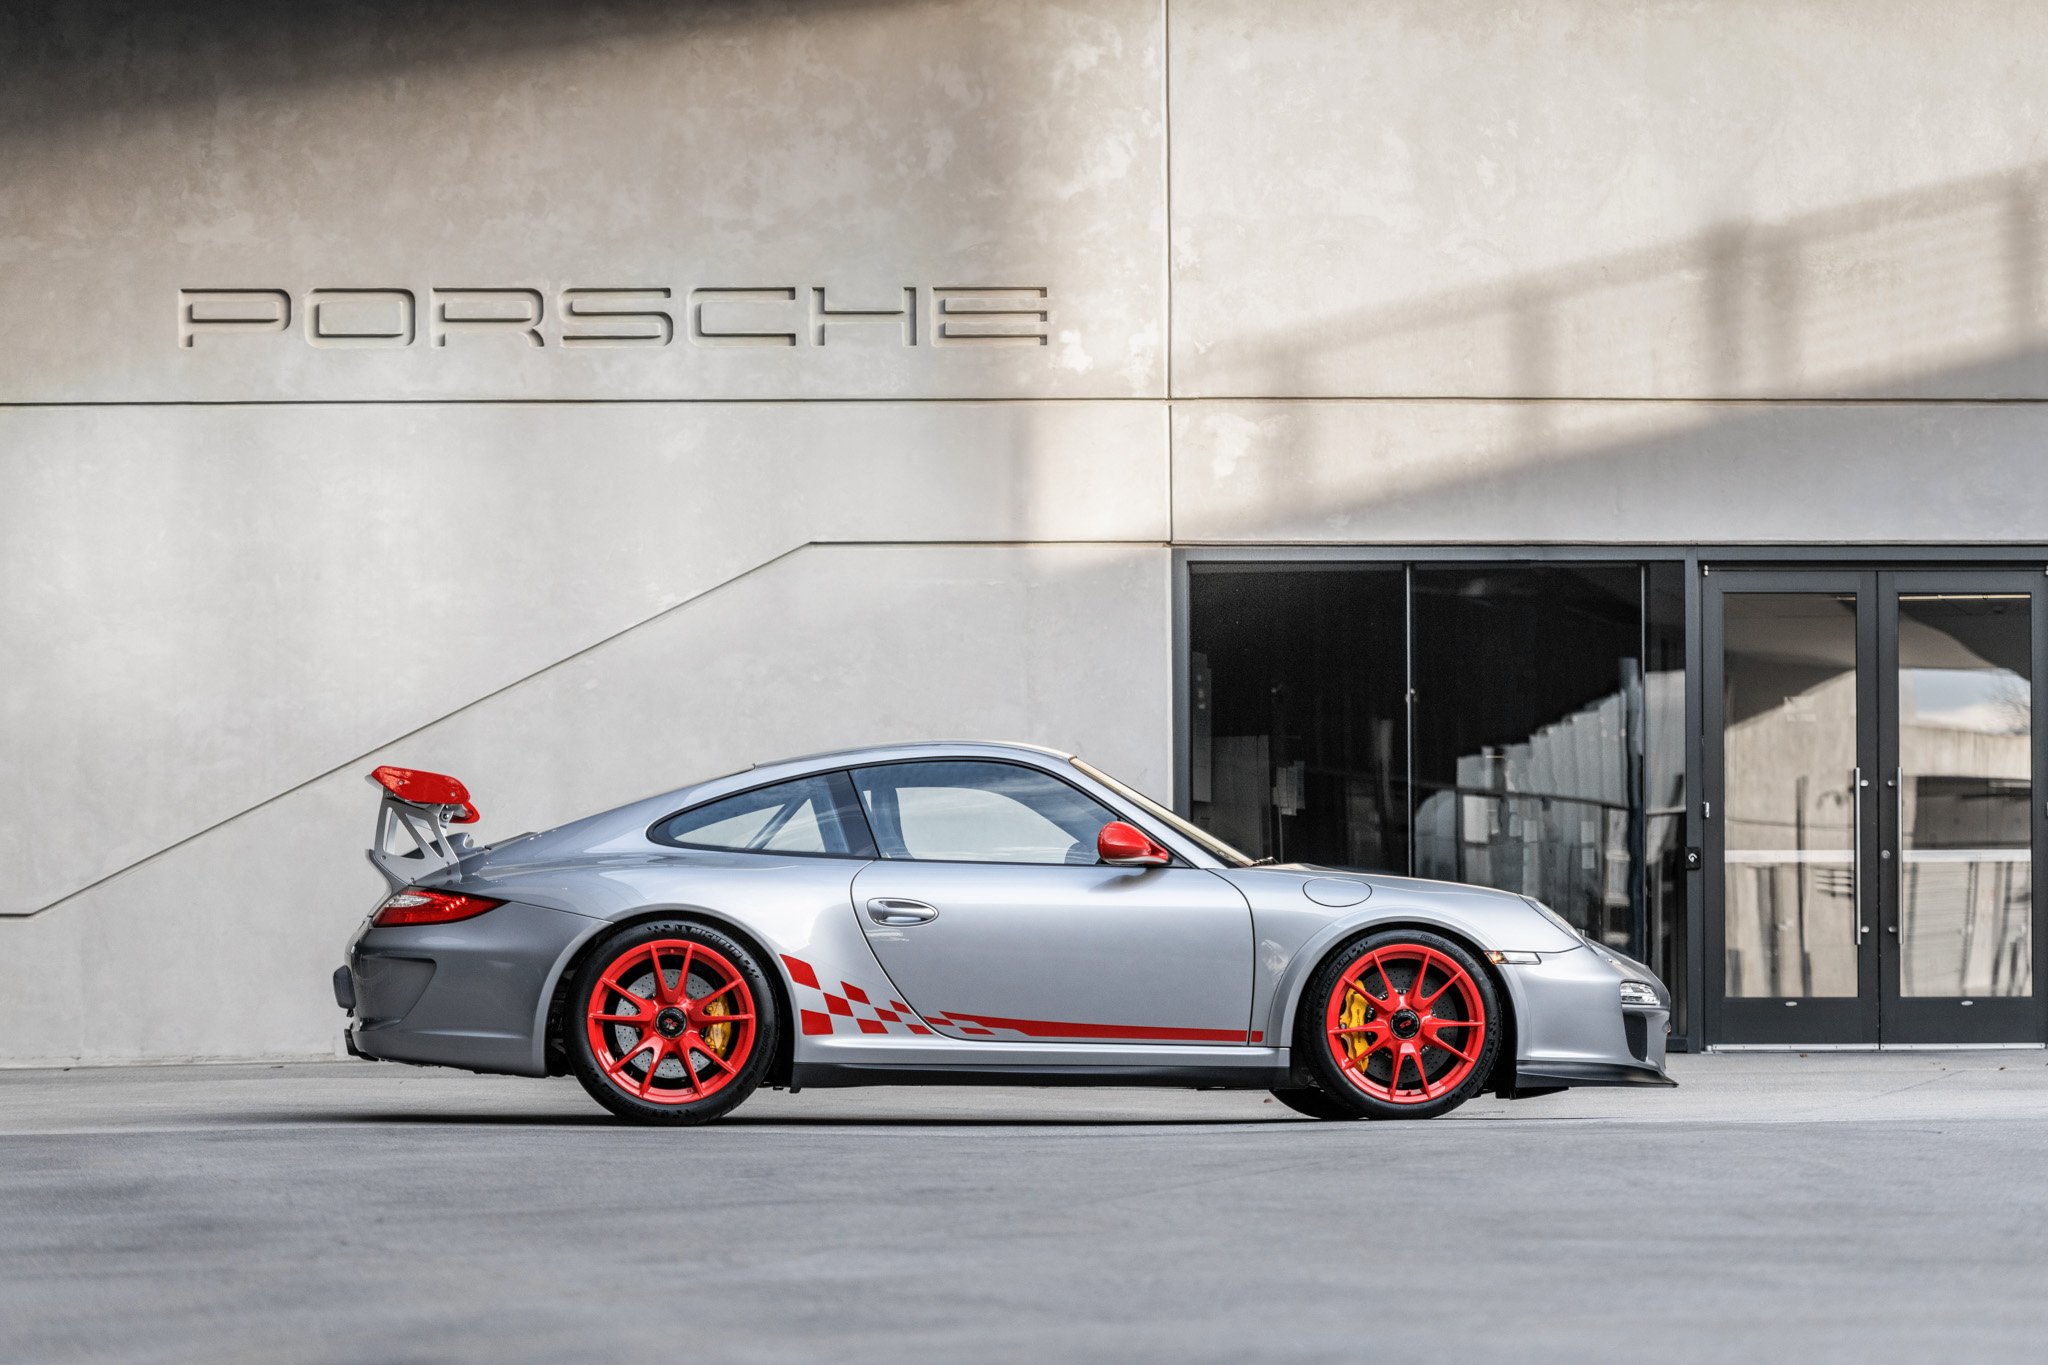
{"points": [[991, 914]]}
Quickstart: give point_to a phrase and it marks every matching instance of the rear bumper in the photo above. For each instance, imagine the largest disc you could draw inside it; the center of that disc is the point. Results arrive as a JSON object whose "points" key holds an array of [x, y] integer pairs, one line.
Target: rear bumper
{"points": [[473, 994]]}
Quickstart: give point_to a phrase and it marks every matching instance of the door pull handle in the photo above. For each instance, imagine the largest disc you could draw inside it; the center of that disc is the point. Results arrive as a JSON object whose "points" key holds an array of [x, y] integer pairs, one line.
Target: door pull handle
{"points": [[894, 911], [1899, 841], [1856, 786]]}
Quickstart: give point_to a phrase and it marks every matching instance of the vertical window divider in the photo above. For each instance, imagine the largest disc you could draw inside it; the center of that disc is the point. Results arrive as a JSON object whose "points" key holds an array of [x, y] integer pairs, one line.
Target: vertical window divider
{"points": [[1408, 707], [1638, 713]]}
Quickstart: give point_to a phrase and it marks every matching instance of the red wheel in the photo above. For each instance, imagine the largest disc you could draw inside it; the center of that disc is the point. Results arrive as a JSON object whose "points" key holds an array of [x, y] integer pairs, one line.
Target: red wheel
{"points": [[1405, 1025], [675, 1025]]}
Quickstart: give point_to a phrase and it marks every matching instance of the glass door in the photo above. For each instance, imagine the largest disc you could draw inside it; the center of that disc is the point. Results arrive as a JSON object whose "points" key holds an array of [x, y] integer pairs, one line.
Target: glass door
{"points": [[1959, 820], [1869, 806], [1789, 813]]}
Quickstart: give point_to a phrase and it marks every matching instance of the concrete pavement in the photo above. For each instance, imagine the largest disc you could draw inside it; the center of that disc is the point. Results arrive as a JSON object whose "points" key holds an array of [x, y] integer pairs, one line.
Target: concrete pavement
{"points": [[1828, 1207]]}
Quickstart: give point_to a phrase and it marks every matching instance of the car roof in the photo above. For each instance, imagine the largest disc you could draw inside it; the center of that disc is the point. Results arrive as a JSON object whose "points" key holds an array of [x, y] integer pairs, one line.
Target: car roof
{"points": [[634, 815], [921, 748]]}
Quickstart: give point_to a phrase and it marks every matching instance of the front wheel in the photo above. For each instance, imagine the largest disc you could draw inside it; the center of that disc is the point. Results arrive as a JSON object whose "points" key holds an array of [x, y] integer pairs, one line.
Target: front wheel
{"points": [[1400, 1024], [670, 1023]]}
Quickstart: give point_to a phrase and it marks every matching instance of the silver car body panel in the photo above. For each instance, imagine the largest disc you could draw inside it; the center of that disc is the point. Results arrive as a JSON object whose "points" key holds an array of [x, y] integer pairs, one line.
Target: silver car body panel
{"points": [[1081, 953], [1191, 972]]}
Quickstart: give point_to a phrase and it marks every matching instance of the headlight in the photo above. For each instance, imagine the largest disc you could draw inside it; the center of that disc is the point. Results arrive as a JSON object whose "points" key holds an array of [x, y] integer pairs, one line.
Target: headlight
{"points": [[1639, 993]]}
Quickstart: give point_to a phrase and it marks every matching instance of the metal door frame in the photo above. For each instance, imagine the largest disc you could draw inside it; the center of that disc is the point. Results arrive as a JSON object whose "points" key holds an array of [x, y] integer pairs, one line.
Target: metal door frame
{"points": [[1837, 1021], [1922, 1021]]}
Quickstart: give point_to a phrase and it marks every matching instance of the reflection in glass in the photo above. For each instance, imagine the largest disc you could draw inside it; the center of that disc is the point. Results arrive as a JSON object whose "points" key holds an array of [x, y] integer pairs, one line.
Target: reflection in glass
{"points": [[1966, 758], [1528, 681], [1549, 724], [1661, 940], [1298, 733], [1789, 737]]}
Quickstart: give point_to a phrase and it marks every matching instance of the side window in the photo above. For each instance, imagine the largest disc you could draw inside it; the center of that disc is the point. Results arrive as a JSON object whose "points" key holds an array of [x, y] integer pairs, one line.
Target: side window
{"points": [[809, 815], [978, 812]]}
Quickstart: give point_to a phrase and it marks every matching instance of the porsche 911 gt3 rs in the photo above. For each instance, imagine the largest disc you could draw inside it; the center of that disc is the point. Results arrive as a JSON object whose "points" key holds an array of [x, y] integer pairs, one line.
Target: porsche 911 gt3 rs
{"points": [[961, 913]]}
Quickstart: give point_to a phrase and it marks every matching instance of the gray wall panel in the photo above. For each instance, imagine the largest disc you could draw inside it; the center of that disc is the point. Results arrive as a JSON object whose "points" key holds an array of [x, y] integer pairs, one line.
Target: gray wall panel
{"points": [[1606, 198], [1517, 472], [213, 604], [859, 148]]}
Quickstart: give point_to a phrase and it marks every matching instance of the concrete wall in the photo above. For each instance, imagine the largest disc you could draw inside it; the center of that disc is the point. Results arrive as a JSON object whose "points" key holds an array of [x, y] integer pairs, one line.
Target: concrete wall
{"points": [[476, 385]]}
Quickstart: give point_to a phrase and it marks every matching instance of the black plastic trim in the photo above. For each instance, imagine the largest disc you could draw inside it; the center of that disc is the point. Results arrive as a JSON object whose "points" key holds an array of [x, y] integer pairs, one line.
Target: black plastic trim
{"points": [[1546, 1076]]}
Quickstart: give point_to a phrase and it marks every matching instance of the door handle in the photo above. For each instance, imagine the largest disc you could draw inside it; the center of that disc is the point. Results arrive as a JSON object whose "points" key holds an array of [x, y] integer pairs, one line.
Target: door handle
{"points": [[895, 911], [1857, 784], [1899, 842]]}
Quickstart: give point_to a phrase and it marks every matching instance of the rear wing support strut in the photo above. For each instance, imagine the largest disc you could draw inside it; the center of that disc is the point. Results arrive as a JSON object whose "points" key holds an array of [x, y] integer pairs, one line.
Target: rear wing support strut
{"points": [[412, 839]]}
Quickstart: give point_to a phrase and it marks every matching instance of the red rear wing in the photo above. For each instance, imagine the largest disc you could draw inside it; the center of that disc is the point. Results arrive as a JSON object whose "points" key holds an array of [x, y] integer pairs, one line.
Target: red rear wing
{"points": [[420, 788], [420, 806]]}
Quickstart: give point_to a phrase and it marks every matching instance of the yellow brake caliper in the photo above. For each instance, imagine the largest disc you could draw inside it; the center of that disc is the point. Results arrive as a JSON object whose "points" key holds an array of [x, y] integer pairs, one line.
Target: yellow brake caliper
{"points": [[719, 1036], [1353, 1016]]}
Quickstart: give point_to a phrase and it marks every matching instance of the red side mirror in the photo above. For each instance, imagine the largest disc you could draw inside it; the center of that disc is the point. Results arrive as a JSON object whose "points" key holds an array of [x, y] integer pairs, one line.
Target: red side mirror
{"points": [[1122, 845]]}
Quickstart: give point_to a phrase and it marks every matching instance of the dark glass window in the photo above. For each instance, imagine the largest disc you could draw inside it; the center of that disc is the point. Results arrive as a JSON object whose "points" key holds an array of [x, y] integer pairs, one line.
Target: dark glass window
{"points": [[1525, 677], [979, 812], [809, 815], [1542, 749], [1299, 738]]}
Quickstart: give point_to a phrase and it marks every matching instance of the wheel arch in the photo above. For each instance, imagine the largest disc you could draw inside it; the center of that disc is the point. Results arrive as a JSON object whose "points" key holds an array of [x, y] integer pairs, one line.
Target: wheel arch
{"points": [[554, 1045], [1309, 962]]}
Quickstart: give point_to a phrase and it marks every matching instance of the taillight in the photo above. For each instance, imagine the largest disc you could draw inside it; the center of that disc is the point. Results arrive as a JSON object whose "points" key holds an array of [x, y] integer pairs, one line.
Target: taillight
{"points": [[414, 906]]}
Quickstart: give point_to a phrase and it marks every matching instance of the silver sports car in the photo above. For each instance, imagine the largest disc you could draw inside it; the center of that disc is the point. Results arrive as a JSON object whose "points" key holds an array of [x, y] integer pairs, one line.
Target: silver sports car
{"points": [[961, 913]]}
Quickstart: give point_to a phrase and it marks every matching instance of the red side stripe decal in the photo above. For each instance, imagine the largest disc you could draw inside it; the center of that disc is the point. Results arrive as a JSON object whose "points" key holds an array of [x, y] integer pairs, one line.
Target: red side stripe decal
{"points": [[814, 1022], [800, 971]]}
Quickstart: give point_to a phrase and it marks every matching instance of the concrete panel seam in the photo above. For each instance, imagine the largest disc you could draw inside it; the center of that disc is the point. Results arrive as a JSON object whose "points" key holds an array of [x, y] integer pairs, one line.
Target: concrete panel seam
{"points": [[469, 705], [1533, 400], [549, 667]]}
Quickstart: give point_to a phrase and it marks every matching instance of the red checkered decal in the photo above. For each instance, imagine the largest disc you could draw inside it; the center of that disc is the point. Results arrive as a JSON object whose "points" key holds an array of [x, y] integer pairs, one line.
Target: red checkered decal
{"points": [[861, 1012]]}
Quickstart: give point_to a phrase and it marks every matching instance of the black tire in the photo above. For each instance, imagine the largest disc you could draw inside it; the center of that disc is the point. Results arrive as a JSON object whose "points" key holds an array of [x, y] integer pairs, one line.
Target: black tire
{"points": [[688, 1061], [1435, 1078], [1309, 1100]]}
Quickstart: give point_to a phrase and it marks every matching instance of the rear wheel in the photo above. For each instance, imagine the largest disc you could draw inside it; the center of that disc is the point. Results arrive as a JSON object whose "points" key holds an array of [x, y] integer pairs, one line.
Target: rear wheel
{"points": [[1402, 1024], [670, 1023]]}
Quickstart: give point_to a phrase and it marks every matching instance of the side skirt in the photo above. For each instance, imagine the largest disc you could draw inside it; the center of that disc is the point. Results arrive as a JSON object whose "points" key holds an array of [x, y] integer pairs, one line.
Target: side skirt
{"points": [[827, 1075]]}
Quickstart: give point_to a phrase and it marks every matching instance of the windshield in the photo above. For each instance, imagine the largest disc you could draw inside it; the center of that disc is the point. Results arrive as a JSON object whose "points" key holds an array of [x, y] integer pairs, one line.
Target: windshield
{"points": [[1216, 847]]}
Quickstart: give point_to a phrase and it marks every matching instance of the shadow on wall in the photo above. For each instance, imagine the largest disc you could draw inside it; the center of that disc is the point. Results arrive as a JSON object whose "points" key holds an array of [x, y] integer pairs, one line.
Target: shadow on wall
{"points": [[1927, 298], [1886, 296], [63, 62]]}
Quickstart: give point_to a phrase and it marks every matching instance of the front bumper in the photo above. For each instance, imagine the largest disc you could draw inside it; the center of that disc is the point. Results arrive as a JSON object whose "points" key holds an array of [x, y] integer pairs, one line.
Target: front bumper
{"points": [[1573, 1030], [473, 994]]}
